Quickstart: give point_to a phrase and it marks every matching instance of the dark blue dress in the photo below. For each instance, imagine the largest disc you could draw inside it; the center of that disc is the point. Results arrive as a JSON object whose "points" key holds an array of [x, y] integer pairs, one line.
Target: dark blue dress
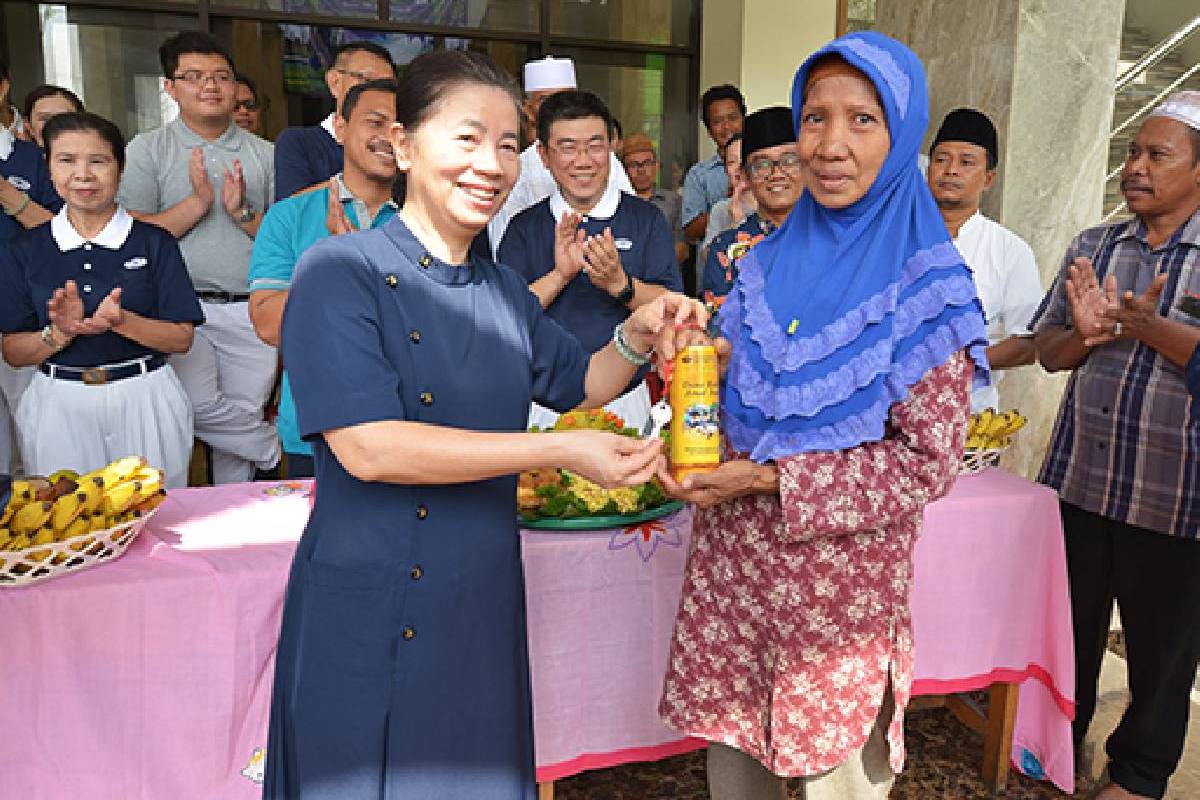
{"points": [[402, 669]]}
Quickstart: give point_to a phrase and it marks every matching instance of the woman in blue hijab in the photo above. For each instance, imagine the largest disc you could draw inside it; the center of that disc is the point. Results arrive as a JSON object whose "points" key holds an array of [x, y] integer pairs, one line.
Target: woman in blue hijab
{"points": [[852, 338]]}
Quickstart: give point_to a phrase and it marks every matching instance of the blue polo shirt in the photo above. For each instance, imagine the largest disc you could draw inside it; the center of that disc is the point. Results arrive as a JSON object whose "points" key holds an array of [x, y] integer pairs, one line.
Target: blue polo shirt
{"points": [[704, 184], [289, 228], [143, 259], [305, 157], [26, 169], [719, 278], [646, 246]]}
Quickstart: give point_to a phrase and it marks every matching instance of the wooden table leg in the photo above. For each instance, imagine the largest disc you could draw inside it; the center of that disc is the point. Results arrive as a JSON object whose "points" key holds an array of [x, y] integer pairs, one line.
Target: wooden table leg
{"points": [[997, 738], [546, 790]]}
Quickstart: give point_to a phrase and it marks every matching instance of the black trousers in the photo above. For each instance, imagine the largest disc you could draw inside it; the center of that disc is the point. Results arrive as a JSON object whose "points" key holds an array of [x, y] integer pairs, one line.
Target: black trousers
{"points": [[1155, 580]]}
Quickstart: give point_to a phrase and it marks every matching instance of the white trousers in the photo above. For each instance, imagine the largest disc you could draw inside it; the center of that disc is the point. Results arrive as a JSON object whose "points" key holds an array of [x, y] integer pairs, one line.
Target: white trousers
{"points": [[70, 425], [633, 407], [228, 375], [13, 382]]}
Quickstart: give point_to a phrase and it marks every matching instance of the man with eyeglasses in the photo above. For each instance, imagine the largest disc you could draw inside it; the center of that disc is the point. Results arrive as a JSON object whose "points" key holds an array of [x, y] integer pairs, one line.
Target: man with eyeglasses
{"points": [[306, 156], [544, 78], [641, 164], [207, 181], [771, 165], [962, 166], [247, 109], [591, 253]]}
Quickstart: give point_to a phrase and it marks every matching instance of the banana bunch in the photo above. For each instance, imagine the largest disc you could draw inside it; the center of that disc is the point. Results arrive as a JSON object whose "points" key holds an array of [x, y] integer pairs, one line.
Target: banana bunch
{"points": [[990, 430], [66, 505]]}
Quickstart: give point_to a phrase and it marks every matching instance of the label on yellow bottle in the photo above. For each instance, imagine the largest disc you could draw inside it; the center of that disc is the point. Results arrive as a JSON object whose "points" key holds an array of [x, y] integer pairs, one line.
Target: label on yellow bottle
{"points": [[695, 407]]}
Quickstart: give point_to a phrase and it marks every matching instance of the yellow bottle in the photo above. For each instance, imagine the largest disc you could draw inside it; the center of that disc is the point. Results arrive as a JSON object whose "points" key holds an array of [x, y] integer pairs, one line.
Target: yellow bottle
{"points": [[695, 402]]}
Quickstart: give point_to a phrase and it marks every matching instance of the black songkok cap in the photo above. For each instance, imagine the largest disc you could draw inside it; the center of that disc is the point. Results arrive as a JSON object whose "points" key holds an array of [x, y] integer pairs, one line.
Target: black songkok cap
{"points": [[969, 125], [767, 127]]}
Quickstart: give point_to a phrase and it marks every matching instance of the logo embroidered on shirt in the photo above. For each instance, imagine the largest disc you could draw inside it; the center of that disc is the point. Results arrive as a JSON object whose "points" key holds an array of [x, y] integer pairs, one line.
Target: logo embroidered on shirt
{"points": [[623, 244], [20, 183], [136, 263]]}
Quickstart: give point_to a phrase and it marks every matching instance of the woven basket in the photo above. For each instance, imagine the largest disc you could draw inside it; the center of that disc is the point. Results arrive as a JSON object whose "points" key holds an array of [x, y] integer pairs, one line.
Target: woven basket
{"points": [[45, 561], [976, 461]]}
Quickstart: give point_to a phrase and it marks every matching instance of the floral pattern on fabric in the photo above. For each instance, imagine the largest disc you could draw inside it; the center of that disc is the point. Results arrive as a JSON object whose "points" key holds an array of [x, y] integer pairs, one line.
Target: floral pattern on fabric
{"points": [[794, 618]]}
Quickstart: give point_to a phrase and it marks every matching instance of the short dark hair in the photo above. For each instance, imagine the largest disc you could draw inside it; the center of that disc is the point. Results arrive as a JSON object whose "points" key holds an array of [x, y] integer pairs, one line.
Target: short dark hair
{"points": [[374, 48], [357, 91], [240, 78], [194, 42], [571, 104], [432, 74], [86, 122], [46, 90], [616, 132], [726, 91]]}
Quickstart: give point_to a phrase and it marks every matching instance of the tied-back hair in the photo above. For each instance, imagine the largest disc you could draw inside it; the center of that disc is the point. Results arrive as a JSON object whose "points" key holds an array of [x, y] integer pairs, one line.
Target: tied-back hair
{"points": [[84, 122], [46, 90], [430, 76], [570, 105]]}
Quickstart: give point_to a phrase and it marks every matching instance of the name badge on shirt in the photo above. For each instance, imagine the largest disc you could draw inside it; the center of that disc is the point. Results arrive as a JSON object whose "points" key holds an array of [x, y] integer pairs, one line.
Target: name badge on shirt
{"points": [[20, 183], [136, 263], [623, 244]]}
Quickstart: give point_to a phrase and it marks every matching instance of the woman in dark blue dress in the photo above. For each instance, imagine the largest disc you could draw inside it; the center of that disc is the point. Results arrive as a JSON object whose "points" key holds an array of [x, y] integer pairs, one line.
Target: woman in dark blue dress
{"points": [[402, 669]]}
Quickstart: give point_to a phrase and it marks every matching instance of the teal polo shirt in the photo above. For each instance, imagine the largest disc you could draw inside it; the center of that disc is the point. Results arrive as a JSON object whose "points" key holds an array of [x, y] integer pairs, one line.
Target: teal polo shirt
{"points": [[289, 228]]}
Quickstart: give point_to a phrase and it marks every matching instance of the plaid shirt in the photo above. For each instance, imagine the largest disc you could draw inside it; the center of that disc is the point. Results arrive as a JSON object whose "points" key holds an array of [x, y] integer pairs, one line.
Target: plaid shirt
{"points": [[1126, 444]]}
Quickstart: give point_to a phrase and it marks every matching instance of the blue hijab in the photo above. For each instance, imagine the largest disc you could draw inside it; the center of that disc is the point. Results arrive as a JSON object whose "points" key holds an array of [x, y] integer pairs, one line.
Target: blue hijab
{"points": [[840, 311]]}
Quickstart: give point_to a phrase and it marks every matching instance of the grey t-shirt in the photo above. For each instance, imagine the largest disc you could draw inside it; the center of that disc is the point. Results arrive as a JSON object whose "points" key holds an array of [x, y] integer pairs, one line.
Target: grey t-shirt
{"points": [[216, 251]]}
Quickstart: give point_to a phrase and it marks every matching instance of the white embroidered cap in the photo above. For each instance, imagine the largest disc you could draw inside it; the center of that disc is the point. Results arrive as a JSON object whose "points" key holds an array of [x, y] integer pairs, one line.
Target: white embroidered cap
{"points": [[549, 73], [1181, 106]]}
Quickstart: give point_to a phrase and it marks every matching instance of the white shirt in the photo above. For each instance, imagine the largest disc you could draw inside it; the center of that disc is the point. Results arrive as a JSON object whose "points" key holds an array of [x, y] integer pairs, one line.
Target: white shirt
{"points": [[535, 184], [1006, 277]]}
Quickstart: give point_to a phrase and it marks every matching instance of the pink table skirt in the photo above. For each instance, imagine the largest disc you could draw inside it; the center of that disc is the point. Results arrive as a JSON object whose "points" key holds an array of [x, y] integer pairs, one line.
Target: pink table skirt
{"points": [[150, 677]]}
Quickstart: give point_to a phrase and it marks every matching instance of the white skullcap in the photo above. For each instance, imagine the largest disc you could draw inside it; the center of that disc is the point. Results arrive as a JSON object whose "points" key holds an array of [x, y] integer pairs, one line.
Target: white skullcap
{"points": [[1183, 107], [549, 73]]}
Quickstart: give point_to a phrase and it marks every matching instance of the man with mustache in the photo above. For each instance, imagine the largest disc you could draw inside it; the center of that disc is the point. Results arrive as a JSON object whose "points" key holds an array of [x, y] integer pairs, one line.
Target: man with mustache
{"points": [[962, 166], [1125, 452], [357, 198]]}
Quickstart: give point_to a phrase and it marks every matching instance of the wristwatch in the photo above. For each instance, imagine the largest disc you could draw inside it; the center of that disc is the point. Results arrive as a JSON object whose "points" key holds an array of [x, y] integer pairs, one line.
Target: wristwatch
{"points": [[625, 295], [48, 338], [246, 214]]}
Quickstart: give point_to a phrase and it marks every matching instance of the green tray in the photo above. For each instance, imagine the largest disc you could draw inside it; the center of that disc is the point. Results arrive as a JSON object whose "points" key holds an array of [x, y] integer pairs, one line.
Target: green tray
{"points": [[599, 523]]}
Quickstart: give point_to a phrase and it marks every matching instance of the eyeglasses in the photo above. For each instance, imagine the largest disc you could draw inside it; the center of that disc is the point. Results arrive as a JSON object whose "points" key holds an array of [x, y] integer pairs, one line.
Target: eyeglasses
{"points": [[246, 105], [220, 77], [571, 150], [361, 77], [762, 167]]}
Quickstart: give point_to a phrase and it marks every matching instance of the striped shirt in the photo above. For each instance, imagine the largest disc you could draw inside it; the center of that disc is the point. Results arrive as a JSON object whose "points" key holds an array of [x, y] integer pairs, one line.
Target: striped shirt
{"points": [[1126, 444]]}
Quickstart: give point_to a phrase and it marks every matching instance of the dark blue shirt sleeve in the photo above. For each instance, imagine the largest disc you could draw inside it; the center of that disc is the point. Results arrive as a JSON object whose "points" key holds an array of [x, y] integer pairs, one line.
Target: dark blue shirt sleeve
{"points": [[661, 266], [559, 362], [17, 312], [43, 192], [293, 168], [516, 251], [1193, 374], [714, 273], [332, 344], [174, 293]]}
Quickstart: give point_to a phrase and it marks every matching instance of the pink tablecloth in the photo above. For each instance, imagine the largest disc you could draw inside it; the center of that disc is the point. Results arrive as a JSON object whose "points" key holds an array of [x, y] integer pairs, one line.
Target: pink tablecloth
{"points": [[150, 677]]}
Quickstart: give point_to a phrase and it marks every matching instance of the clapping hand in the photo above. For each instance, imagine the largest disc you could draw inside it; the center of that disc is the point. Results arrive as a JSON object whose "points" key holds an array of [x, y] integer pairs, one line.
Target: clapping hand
{"points": [[568, 246], [1136, 313], [336, 220], [602, 263], [1090, 303], [67, 312], [198, 174], [233, 190]]}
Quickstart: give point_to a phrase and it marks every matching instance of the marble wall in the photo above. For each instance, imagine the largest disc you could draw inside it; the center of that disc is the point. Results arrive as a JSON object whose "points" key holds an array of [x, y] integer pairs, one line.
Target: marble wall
{"points": [[1043, 70]]}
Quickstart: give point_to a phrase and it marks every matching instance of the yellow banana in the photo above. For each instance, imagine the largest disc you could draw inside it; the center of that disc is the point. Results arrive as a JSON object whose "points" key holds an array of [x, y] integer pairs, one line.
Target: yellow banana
{"points": [[92, 490], [31, 517], [43, 536], [10, 509], [152, 502], [69, 474], [149, 481], [78, 526], [118, 497], [976, 442], [97, 523], [18, 542], [66, 509], [121, 469]]}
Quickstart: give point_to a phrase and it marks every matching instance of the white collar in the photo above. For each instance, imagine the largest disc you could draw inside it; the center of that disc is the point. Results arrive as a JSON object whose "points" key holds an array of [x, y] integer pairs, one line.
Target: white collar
{"points": [[6, 143], [112, 237], [605, 208], [327, 124]]}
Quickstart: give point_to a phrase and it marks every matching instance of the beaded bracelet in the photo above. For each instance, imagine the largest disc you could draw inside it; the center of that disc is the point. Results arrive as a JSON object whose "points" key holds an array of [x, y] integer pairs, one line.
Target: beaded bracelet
{"points": [[13, 212], [625, 351]]}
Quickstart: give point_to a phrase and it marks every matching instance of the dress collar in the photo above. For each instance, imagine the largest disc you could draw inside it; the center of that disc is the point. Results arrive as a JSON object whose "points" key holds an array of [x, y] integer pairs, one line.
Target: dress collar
{"points": [[605, 208], [113, 237], [229, 140]]}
